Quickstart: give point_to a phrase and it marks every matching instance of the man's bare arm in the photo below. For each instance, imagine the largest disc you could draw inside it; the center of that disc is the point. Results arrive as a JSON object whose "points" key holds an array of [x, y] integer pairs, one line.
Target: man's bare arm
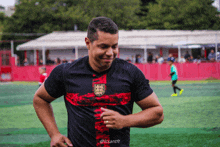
{"points": [[151, 114], [43, 108]]}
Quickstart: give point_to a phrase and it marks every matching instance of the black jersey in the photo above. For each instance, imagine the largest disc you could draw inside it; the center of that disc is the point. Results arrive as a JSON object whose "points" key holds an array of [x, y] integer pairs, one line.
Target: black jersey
{"points": [[86, 91]]}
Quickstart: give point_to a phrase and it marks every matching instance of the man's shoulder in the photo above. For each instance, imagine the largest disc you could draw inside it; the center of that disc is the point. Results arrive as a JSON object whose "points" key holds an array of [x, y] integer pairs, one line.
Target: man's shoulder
{"points": [[75, 65], [120, 63]]}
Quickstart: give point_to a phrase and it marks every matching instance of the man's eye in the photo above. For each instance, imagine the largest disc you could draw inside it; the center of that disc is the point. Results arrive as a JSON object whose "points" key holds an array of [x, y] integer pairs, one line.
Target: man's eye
{"points": [[104, 46], [115, 46]]}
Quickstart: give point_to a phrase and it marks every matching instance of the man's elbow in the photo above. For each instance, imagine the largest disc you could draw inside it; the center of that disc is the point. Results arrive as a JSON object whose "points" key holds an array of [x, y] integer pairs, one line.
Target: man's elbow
{"points": [[35, 100], [160, 120], [160, 115]]}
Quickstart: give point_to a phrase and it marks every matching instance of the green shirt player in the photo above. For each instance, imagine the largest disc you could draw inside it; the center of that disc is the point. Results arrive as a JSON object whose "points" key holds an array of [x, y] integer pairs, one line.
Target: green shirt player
{"points": [[174, 76]]}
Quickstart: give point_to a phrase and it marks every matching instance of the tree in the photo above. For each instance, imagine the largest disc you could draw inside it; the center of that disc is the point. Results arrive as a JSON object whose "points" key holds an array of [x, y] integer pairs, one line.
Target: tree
{"points": [[183, 15], [123, 12], [46, 16], [144, 7], [43, 16]]}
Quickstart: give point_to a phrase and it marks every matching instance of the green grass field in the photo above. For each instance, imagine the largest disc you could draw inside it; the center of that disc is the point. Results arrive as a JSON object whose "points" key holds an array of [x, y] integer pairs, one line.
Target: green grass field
{"points": [[191, 120]]}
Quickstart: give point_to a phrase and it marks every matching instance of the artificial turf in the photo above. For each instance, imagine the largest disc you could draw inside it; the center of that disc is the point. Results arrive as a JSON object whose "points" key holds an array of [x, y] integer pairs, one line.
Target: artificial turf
{"points": [[192, 119]]}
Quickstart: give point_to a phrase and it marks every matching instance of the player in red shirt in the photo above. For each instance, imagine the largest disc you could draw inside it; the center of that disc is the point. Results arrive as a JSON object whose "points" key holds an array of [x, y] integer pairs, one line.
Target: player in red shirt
{"points": [[43, 75]]}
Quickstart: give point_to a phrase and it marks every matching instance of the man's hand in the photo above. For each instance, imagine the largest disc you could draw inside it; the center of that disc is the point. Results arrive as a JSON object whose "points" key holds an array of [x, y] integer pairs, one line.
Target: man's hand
{"points": [[60, 141], [113, 119]]}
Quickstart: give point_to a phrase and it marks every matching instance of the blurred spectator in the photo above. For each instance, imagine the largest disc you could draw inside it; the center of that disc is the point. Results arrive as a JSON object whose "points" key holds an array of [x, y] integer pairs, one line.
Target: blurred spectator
{"points": [[218, 56], [18, 61], [203, 58], [160, 59], [41, 62], [49, 61], [138, 58], [170, 56], [128, 59], [191, 59], [197, 60], [132, 59], [150, 57], [57, 61], [182, 60], [71, 61], [26, 62], [64, 60], [187, 56], [212, 55], [156, 59]]}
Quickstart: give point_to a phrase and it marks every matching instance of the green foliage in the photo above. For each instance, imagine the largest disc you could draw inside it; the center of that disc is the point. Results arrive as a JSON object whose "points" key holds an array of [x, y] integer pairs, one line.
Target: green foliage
{"points": [[2, 20], [183, 15], [46, 16], [120, 11], [144, 7]]}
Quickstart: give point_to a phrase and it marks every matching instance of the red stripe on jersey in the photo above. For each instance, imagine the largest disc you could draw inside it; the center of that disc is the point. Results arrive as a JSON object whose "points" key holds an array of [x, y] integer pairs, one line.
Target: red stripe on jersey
{"points": [[90, 99], [102, 132]]}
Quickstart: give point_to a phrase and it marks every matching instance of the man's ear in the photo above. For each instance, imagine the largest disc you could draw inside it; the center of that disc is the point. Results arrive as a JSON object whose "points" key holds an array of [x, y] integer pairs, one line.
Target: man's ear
{"points": [[88, 42]]}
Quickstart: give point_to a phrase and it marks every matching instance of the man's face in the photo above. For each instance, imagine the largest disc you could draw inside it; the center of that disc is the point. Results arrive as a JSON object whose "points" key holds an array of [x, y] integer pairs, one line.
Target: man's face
{"points": [[212, 51], [103, 51]]}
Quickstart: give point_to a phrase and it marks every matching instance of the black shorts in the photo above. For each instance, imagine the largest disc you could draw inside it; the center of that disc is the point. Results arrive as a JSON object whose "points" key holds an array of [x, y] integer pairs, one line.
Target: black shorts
{"points": [[174, 82]]}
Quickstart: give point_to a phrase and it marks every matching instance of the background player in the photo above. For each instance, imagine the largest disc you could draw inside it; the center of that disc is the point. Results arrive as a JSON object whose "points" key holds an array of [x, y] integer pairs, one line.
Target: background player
{"points": [[43, 75], [99, 92], [174, 76]]}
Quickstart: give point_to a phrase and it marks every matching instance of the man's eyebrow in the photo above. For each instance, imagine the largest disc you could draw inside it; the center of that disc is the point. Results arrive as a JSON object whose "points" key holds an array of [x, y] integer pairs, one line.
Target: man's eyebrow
{"points": [[103, 44]]}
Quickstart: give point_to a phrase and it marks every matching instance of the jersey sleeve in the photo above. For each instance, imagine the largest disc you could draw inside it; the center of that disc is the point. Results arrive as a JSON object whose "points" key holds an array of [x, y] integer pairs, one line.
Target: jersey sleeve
{"points": [[54, 84], [141, 87]]}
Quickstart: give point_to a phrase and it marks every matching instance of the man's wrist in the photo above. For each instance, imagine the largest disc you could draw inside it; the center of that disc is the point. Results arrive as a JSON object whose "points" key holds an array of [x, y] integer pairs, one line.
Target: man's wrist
{"points": [[54, 134], [127, 121]]}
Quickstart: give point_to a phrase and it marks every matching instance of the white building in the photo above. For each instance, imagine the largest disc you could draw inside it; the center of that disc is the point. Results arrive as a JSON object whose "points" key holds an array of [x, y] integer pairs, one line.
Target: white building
{"points": [[71, 45]]}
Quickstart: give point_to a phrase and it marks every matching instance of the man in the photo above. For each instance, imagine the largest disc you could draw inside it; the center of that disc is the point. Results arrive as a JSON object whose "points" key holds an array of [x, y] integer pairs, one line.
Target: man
{"points": [[138, 58], [150, 57], [174, 76], [99, 92], [191, 59], [182, 60], [187, 56], [160, 59], [170, 56], [212, 55]]}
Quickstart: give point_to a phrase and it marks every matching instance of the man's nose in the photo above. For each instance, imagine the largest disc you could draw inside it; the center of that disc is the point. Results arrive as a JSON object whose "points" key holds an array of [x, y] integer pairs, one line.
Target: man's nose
{"points": [[109, 52]]}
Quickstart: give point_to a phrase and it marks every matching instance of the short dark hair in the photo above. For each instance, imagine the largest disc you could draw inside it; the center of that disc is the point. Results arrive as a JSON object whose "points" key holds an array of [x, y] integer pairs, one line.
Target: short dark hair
{"points": [[103, 24], [44, 68]]}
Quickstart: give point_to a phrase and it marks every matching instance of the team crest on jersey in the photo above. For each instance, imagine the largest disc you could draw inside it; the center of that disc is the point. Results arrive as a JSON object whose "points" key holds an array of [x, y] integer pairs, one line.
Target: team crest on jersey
{"points": [[99, 89]]}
